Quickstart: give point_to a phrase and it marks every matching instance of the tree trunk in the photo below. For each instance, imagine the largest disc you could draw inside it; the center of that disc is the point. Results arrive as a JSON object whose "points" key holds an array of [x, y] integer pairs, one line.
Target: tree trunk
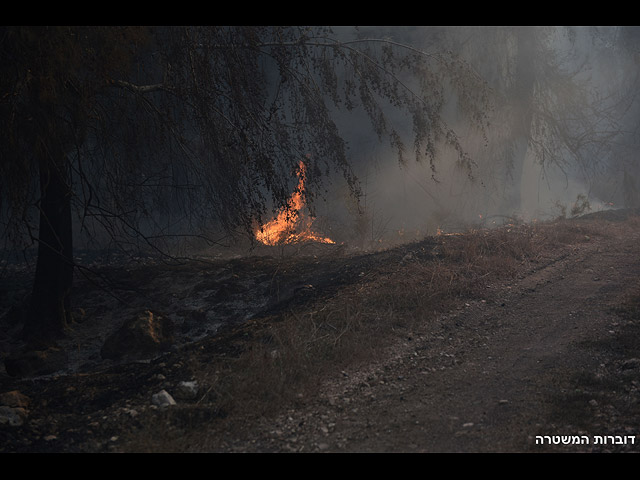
{"points": [[522, 98], [49, 312]]}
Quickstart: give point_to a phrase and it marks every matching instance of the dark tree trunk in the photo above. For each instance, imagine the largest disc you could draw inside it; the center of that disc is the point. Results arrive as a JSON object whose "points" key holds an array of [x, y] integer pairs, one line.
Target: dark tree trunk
{"points": [[49, 311]]}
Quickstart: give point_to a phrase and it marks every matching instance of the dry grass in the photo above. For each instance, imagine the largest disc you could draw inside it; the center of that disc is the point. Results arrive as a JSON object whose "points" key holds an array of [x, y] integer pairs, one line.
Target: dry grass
{"points": [[277, 361], [288, 356]]}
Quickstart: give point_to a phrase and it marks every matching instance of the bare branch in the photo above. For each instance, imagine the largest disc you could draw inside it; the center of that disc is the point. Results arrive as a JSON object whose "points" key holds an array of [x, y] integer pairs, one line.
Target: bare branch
{"points": [[141, 88]]}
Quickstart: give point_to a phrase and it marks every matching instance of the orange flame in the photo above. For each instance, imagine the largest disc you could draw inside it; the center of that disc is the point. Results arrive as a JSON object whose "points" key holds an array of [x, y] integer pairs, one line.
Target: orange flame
{"points": [[291, 225]]}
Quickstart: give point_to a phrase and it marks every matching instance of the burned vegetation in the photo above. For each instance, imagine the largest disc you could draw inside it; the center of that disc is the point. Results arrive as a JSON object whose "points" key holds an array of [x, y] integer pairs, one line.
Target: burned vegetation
{"points": [[224, 219]]}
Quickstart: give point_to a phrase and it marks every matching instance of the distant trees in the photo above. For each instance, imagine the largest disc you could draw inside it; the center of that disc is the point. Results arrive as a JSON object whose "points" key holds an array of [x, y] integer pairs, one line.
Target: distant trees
{"points": [[144, 134], [552, 102], [624, 78]]}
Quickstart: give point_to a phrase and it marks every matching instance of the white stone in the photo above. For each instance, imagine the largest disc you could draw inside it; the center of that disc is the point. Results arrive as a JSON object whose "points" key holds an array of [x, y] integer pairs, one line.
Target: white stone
{"points": [[188, 390], [163, 399]]}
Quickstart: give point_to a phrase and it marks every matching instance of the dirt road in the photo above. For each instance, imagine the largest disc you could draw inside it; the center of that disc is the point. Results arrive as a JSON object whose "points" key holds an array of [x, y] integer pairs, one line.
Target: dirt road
{"points": [[544, 356], [546, 361]]}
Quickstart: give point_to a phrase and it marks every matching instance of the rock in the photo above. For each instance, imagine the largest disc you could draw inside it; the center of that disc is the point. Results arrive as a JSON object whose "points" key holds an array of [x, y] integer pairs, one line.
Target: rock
{"points": [[14, 399], [13, 416], [143, 336], [132, 412], [187, 390], [30, 363], [163, 399]]}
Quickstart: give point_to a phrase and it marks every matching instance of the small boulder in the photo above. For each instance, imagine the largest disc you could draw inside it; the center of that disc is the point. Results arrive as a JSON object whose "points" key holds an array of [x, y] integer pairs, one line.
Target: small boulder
{"points": [[187, 390], [162, 399], [142, 336], [14, 399]]}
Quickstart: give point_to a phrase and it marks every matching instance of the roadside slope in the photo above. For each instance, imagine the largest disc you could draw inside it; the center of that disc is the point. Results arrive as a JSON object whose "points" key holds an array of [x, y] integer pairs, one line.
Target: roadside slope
{"points": [[478, 342], [493, 375]]}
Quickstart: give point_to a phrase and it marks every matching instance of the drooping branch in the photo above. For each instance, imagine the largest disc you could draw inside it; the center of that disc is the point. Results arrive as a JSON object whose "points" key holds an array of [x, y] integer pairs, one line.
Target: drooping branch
{"points": [[142, 88]]}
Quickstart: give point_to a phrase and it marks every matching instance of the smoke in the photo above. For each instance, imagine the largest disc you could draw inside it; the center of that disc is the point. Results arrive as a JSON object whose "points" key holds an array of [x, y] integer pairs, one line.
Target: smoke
{"points": [[573, 90]]}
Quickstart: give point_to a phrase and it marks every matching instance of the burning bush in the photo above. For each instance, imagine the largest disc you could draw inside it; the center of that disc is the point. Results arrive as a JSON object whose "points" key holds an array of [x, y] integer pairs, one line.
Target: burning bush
{"points": [[291, 224]]}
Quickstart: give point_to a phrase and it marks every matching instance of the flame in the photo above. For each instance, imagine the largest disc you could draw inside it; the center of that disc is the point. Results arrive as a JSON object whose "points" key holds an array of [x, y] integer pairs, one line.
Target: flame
{"points": [[441, 233], [291, 225]]}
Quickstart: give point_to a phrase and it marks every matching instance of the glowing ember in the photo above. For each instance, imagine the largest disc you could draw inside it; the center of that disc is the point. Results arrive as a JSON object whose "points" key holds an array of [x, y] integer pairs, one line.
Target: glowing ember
{"points": [[291, 225], [442, 233]]}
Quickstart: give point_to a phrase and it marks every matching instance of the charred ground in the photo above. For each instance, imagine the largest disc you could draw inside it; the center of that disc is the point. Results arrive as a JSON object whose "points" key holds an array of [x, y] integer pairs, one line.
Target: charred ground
{"points": [[472, 342]]}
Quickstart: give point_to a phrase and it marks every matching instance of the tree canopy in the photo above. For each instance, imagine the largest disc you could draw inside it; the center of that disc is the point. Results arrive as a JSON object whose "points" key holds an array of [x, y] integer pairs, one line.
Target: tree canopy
{"points": [[148, 134], [209, 122]]}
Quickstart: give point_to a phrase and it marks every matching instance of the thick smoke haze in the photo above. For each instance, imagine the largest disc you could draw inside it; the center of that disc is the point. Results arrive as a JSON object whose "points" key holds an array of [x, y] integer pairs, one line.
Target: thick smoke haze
{"points": [[561, 139]]}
